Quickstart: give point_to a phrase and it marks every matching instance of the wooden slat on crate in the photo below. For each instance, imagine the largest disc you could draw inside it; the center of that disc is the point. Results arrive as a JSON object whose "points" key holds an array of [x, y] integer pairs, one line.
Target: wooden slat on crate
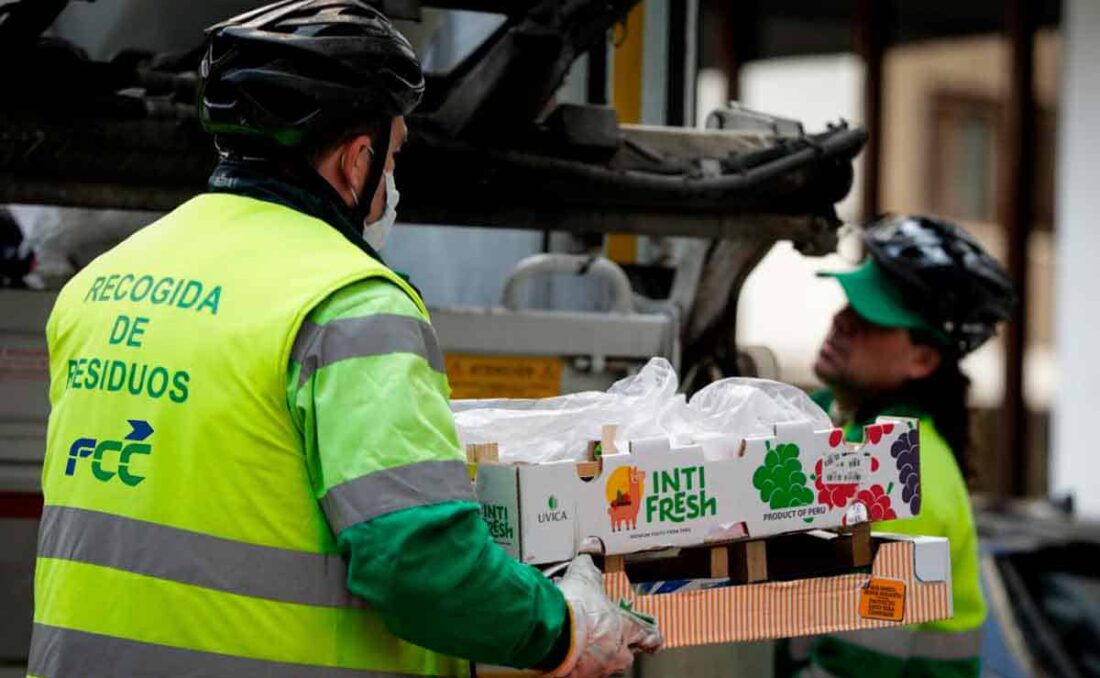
{"points": [[750, 560], [719, 562], [477, 453]]}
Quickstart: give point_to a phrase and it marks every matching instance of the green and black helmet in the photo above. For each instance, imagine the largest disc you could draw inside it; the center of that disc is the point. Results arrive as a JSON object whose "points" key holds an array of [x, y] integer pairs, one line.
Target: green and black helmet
{"points": [[930, 276], [280, 70], [944, 275]]}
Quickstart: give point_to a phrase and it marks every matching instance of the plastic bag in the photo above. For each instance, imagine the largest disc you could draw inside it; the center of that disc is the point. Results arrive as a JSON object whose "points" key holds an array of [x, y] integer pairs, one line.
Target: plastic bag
{"points": [[751, 406], [721, 414], [553, 429], [644, 405]]}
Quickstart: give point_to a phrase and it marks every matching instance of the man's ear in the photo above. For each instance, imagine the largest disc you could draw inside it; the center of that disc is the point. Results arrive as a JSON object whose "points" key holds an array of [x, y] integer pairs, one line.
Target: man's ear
{"points": [[345, 167], [923, 361], [354, 161]]}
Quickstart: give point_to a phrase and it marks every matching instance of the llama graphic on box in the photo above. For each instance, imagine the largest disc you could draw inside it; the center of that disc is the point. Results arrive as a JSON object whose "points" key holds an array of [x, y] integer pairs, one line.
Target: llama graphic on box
{"points": [[625, 487]]}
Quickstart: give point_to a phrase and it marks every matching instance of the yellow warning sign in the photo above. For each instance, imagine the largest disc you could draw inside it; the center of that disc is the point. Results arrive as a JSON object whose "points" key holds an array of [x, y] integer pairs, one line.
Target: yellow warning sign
{"points": [[883, 599], [484, 376]]}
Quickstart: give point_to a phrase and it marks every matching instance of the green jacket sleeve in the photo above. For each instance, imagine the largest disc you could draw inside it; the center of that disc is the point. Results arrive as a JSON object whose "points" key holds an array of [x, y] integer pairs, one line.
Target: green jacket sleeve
{"points": [[439, 581], [367, 391]]}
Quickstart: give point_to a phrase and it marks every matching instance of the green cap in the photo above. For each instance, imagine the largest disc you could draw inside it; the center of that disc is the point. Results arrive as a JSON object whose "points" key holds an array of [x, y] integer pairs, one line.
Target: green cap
{"points": [[877, 299]]}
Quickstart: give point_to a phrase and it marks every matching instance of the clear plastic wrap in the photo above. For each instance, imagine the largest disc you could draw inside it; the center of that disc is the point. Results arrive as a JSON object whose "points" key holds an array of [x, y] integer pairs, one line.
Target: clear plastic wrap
{"points": [[644, 405], [743, 405], [553, 429]]}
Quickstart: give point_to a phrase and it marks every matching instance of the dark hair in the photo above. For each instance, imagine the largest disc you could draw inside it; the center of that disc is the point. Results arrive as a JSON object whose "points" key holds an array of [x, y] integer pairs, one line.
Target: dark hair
{"points": [[319, 143], [941, 395]]}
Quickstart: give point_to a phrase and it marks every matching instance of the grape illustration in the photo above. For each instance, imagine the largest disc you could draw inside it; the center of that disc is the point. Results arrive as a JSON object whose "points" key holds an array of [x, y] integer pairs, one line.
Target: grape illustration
{"points": [[905, 452], [780, 479], [877, 502]]}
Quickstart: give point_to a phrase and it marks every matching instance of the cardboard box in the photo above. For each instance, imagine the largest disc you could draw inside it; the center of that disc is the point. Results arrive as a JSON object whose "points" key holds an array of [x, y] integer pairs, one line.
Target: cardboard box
{"points": [[658, 497], [909, 583]]}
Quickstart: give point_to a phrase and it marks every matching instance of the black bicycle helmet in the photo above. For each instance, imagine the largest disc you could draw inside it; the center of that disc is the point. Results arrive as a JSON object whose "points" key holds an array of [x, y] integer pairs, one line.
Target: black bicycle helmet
{"points": [[944, 275], [275, 70], [291, 69]]}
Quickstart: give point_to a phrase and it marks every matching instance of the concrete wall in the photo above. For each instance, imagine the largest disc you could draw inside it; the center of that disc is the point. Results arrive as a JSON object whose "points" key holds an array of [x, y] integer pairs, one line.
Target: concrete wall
{"points": [[1076, 457]]}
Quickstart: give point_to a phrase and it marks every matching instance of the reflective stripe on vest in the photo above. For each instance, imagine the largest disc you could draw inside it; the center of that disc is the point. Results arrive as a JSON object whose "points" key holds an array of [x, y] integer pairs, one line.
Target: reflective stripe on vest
{"points": [[381, 492], [181, 533], [360, 337], [187, 557], [64, 653], [895, 653], [904, 643]]}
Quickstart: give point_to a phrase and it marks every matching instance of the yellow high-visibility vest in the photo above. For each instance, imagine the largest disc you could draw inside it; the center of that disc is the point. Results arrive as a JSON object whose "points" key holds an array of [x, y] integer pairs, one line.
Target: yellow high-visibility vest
{"points": [[180, 534]]}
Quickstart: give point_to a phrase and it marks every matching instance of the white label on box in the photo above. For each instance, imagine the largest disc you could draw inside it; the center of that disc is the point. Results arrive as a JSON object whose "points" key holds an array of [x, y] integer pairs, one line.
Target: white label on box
{"points": [[855, 514], [549, 511], [843, 467]]}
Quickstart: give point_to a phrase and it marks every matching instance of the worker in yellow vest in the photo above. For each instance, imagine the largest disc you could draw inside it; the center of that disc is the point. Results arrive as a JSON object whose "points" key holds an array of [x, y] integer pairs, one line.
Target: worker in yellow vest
{"points": [[925, 297], [251, 465]]}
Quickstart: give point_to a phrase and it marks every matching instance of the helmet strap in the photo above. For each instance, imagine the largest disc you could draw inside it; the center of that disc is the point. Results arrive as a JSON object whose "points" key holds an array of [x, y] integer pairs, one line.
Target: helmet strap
{"points": [[379, 151]]}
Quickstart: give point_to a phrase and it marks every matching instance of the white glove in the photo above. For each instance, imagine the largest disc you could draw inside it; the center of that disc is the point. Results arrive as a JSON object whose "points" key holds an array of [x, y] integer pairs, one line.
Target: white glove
{"points": [[605, 636]]}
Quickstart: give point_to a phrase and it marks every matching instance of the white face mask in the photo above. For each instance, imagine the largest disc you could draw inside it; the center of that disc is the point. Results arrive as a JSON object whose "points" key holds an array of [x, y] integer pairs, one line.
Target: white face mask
{"points": [[376, 232]]}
